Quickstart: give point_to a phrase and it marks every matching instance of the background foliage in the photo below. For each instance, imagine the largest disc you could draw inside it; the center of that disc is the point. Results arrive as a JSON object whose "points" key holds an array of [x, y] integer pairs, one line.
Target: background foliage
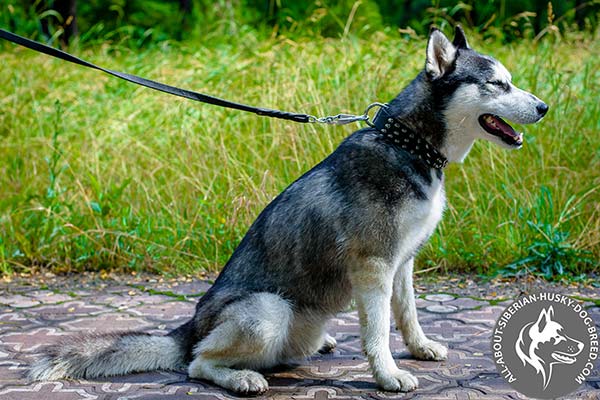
{"points": [[98, 174], [141, 22]]}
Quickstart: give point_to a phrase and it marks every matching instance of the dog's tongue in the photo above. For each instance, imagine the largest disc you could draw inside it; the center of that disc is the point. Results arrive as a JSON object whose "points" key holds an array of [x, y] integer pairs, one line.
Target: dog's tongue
{"points": [[496, 126], [504, 127], [498, 123]]}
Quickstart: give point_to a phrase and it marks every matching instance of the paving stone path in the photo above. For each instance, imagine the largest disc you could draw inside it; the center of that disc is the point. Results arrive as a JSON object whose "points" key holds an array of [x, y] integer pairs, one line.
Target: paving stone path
{"points": [[31, 318]]}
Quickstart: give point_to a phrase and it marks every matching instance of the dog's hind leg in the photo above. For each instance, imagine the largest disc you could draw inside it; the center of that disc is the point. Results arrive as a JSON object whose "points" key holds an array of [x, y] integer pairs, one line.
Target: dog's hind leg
{"points": [[405, 313], [250, 334]]}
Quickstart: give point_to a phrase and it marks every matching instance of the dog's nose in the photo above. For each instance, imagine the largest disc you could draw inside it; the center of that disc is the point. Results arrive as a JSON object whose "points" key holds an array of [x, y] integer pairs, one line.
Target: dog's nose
{"points": [[542, 108]]}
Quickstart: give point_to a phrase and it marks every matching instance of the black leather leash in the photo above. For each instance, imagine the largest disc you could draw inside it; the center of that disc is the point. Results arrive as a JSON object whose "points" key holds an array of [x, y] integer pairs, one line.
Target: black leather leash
{"points": [[393, 130], [188, 94]]}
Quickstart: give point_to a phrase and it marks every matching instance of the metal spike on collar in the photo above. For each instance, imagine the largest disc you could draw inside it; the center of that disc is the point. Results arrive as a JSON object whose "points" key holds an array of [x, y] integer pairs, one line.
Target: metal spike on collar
{"points": [[396, 132]]}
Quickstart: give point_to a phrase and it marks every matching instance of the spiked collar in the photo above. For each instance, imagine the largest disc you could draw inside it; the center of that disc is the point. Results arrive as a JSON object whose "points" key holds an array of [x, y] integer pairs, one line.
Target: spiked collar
{"points": [[398, 134]]}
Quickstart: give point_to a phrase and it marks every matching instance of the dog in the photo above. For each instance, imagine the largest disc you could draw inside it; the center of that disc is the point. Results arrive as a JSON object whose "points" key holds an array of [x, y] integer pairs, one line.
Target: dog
{"points": [[347, 229], [543, 344]]}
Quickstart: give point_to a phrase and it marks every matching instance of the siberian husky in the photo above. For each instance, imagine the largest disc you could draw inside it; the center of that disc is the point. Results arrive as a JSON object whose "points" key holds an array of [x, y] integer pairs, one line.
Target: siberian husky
{"points": [[348, 228]]}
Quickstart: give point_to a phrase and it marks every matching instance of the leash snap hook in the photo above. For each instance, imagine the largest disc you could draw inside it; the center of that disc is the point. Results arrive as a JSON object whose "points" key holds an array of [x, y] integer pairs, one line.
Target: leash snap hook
{"points": [[343, 119], [340, 119]]}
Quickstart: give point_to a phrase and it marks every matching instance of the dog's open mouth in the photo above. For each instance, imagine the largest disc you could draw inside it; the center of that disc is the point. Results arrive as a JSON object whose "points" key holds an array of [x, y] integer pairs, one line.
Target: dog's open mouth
{"points": [[496, 126], [563, 358]]}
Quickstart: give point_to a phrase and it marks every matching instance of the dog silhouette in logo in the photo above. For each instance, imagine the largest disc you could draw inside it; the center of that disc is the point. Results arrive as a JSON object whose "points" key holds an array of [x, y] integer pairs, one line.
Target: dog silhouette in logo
{"points": [[543, 343]]}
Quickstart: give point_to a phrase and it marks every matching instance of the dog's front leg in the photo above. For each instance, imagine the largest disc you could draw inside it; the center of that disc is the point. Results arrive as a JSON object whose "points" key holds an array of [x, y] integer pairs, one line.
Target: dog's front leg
{"points": [[405, 313], [373, 290]]}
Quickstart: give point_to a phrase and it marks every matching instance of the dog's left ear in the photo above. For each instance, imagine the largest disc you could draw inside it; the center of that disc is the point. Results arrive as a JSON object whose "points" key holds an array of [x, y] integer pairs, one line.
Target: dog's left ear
{"points": [[460, 40], [441, 54], [545, 317]]}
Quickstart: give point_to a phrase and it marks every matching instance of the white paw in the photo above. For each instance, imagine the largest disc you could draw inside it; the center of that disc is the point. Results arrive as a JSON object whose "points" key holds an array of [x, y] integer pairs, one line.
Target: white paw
{"points": [[246, 382], [428, 350], [397, 381], [329, 343]]}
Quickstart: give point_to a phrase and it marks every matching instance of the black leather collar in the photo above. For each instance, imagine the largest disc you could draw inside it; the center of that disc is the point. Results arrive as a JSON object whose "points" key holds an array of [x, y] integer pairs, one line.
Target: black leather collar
{"points": [[398, 134]]}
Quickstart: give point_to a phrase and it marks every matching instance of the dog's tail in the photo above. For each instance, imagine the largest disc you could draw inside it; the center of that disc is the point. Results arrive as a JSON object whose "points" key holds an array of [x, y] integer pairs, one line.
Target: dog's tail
{"points": [[95, 355]]}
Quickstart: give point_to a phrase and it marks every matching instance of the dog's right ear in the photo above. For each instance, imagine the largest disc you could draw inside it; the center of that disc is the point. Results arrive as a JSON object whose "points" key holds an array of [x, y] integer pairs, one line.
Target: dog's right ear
{"points": [[441, 54]]}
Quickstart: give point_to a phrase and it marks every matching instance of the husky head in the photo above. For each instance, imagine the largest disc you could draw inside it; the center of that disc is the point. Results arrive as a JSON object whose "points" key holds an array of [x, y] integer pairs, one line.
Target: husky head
{"points": [[464, 96], [543, 344]]}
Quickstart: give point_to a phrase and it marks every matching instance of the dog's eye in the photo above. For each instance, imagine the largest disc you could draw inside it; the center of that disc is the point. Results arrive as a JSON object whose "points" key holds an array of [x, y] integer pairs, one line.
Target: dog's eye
{"points": [[500, 84], [558, 339]]}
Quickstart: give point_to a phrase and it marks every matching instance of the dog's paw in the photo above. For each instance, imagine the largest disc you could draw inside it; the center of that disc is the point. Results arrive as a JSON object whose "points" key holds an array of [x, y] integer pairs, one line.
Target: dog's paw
{"points": [[247, 383], [329, 343], [397, 381], [428, 350]]}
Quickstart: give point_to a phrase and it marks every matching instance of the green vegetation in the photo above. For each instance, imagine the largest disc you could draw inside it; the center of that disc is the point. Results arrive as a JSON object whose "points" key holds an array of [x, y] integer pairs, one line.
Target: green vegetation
{"points": [[100, 174], [145, 22]]}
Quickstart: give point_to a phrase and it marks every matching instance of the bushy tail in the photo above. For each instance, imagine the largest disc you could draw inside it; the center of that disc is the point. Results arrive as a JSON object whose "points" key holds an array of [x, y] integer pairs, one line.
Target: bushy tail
{"points": [[95, 355]]}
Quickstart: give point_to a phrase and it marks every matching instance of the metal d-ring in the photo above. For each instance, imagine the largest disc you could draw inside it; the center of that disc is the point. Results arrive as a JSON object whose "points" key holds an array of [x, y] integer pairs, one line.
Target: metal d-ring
{"points": [[382, 106]]}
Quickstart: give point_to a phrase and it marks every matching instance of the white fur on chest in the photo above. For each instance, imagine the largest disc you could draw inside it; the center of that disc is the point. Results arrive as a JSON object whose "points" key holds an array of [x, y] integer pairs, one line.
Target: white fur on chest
{"points": [[418, 219]]}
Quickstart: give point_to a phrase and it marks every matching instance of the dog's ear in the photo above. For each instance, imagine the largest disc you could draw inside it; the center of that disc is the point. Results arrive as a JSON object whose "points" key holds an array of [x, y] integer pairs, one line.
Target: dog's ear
{"points": [[544, 318], [441, 54], [460, 40]]}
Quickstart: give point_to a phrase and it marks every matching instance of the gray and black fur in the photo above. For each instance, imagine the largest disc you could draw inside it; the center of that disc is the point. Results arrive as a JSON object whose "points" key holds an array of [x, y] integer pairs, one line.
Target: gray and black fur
{"points": [[348, 228]]}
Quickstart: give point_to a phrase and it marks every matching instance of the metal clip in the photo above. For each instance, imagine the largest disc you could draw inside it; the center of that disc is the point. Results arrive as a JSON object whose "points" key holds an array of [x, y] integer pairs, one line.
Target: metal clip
{"points": [[340, 119], [343, 119]]}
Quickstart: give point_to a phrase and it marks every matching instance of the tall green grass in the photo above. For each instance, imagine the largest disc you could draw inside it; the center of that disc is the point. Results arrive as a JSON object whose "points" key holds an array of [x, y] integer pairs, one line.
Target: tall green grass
{"points": [[100, 174]]}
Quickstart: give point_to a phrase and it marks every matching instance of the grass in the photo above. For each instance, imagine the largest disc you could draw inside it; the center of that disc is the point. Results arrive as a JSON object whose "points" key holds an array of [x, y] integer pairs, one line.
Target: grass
{"points": [[100, 174]]}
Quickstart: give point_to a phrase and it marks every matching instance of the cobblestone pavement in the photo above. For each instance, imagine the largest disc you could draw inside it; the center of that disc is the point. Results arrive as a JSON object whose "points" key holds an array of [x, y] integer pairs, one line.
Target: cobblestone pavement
{"points": [[31, 318]]}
